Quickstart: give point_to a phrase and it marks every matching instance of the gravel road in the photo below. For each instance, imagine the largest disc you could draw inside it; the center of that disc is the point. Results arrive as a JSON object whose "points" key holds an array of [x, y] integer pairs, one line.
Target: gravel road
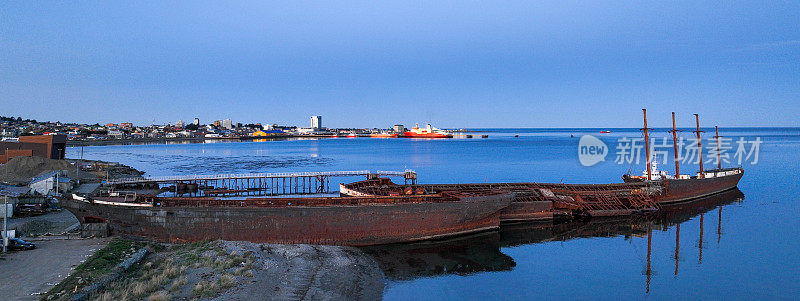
{"points": [[27, 273]]}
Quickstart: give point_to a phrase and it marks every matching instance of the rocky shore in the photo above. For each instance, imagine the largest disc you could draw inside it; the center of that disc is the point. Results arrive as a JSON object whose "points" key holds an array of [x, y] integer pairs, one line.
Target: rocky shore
{"points": [[225, 270]]}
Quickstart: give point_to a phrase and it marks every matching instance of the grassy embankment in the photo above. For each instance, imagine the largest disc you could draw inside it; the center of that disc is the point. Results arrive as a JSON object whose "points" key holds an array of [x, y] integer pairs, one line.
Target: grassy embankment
{"points": [[94, 268], [194, 270]]}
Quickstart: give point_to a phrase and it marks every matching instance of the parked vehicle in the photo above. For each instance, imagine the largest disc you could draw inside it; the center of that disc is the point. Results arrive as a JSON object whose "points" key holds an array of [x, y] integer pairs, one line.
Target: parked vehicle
{"points": [[16, 244], [31, 209]]}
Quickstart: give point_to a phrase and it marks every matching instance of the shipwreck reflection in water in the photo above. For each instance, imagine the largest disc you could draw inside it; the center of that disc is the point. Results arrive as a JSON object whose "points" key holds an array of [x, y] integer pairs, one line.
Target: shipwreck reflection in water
{"points": [[468, 255], [459, 256]]}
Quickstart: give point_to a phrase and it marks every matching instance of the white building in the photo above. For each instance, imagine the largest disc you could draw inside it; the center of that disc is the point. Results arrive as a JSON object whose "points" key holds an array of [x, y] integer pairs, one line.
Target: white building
{"points": [[45, 184], [305, 131], [116, 134], [196, 121], [179, 124], [316, 122], [227, 123]]}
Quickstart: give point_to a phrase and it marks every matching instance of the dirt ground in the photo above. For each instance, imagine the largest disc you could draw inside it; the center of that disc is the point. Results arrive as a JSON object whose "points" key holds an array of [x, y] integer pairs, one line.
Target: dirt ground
{"points": [[307, 272], [25, 274], [225, 270], [52, 222], [20, 170]]}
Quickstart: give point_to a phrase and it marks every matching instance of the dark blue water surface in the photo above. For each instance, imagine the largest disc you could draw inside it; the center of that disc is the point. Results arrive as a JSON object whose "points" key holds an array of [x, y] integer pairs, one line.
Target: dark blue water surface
{"points": [[753, 252]]}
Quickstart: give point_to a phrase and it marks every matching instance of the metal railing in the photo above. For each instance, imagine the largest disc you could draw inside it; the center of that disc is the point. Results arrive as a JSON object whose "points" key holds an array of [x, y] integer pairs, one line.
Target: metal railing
{"points": [[255, 175]]}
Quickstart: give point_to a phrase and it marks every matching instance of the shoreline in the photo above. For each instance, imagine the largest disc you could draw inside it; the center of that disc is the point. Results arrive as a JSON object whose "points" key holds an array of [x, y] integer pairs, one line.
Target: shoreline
{"points": [[75, 143]]}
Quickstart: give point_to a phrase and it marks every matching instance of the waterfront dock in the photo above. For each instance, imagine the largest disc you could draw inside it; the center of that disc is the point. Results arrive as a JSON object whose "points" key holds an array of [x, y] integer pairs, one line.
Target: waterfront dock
{"points": [[251, 184]]}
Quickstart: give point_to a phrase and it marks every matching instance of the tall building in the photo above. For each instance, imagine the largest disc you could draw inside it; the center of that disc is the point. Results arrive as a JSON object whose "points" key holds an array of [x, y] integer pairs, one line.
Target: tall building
{"points": [[179, 124], [227, 123], [316, 122], [196, 121]]}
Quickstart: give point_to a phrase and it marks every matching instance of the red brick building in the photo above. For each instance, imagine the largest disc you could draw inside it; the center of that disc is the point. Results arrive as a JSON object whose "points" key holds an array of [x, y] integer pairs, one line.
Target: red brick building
{"points": [[45, 146]]}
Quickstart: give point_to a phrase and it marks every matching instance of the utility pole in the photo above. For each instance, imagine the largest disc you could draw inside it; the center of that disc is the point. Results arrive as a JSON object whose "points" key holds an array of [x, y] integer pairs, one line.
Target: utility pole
{"points": [[78, 167], [5, 218], [58, 173]]}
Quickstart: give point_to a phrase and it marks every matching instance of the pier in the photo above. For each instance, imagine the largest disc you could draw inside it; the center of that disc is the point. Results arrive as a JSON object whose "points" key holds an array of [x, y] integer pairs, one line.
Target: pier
{"points": [[251, 184]]}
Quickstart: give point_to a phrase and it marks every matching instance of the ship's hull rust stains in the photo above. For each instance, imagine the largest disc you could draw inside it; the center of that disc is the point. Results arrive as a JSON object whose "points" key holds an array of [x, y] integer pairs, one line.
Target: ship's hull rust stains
{"points": [[686, 190], [358, 224], [533, 201]]}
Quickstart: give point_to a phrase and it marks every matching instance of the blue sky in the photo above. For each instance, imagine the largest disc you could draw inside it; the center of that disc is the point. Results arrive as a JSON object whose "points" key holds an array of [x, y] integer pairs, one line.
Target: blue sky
{"points": [[377, 63]]}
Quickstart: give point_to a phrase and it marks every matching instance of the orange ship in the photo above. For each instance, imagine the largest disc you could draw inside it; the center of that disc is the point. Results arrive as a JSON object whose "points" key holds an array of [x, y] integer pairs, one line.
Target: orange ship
{"points": [[383, 135], [427, 132]]}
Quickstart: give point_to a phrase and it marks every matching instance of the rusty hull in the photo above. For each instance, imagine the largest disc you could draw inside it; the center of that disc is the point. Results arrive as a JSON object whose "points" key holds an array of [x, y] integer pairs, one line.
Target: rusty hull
{"points": [[684, 190], [532, 201], [336, 221]]}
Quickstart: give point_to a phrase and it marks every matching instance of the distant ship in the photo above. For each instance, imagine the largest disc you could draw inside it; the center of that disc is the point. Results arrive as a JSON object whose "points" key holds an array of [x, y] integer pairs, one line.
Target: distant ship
{"points": [[427, 132], [352, 135], [384, 135]]}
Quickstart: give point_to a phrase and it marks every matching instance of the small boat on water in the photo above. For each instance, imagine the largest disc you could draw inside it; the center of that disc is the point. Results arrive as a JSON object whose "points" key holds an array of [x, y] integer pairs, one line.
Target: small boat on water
{"points": [[427, 132], [352, 135], [354, 221], [605, 132], [383, 135]]}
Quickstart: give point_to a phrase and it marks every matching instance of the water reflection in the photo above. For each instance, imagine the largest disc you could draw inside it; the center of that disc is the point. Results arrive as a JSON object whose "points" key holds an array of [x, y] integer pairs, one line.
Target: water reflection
{"points": [[459, 256], [482, 252]]}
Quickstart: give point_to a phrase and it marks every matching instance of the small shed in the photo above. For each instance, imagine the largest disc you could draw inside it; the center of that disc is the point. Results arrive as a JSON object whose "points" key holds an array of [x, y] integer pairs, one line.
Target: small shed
{"points": [[45, 183], [11, 195]]}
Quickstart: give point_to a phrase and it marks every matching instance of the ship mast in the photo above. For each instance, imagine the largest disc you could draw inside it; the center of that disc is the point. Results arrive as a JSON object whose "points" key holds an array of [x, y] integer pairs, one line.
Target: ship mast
{"points": [[675, 145], [702, 173], [647, 143], [719, 158]]}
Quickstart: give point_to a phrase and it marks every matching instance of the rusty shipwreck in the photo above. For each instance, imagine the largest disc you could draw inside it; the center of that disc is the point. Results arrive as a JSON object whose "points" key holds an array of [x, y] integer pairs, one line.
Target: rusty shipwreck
{"points": [[355, 221], [680, 187]]}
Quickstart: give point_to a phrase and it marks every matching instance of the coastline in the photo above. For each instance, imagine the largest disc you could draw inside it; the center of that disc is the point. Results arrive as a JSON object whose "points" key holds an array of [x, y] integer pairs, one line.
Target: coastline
{"points": [[133, 141]]}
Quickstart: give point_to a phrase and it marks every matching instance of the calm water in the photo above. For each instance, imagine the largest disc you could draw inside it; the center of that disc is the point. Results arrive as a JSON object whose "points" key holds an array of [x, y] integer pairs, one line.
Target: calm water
{"points": [[752, 252]]}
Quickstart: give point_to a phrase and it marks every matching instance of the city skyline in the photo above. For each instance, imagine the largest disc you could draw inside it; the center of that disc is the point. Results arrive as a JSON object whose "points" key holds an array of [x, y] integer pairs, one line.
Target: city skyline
{"points": [[456, 65]]}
